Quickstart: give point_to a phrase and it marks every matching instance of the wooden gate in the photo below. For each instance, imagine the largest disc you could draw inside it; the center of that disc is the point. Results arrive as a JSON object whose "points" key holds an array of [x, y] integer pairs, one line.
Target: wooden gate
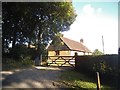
{"points": [[61, 60]]}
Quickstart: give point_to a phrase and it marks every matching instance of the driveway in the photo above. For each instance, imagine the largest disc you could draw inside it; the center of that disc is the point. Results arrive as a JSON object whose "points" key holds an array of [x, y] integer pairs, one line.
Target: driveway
{"points": [[37, 77]]}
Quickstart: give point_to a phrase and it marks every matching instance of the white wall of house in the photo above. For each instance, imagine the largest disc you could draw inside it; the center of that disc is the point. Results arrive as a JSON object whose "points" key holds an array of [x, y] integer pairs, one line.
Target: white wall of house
{"points": [[72, 53]]}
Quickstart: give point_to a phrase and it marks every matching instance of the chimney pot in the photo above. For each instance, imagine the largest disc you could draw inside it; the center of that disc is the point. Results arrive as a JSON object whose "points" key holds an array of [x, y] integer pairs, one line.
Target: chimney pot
{"points": [[81, 40]]}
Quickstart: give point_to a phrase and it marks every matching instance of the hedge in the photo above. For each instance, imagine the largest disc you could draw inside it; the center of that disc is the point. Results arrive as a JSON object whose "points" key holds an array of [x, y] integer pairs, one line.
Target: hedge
{"points": [[106, 65]]}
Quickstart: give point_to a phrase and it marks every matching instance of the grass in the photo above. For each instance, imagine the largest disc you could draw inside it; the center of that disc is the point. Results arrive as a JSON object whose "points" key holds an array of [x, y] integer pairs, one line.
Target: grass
{"points": [[77, 80]]}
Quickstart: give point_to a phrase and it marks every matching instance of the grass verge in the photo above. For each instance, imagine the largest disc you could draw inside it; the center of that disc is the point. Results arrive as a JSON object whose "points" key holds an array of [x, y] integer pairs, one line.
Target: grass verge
{"points": [[78, 80]]}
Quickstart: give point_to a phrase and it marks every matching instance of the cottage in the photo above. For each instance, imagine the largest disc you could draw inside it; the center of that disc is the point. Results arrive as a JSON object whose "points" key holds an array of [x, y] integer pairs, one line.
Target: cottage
{"points": [[67, 47]]}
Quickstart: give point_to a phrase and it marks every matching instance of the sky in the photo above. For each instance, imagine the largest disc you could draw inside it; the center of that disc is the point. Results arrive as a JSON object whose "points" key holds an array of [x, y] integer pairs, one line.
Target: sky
{"points": [[94, 20]]}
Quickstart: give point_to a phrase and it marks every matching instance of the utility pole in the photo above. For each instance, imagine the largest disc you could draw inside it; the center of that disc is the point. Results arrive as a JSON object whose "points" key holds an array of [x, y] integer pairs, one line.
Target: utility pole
{"points": [[103, 44]]}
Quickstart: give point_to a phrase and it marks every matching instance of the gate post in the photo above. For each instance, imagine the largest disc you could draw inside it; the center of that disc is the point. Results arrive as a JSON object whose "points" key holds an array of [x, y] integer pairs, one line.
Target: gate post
{"points": [[37, 61], [76, 54]]}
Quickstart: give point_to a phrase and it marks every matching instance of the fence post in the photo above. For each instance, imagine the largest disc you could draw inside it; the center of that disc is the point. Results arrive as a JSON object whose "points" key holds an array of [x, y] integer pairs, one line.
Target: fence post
{"points": [[98, 81]]}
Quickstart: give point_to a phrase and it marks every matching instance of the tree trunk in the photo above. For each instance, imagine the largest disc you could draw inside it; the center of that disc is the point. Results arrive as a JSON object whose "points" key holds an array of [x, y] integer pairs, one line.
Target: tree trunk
{"points": [[39, 49], [29, 40], [39, 41]]}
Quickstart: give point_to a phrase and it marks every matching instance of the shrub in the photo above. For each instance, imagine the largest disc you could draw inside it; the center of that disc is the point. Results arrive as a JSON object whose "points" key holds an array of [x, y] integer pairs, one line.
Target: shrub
{"points": [[27, 61], [19, 52], [9, 63]]}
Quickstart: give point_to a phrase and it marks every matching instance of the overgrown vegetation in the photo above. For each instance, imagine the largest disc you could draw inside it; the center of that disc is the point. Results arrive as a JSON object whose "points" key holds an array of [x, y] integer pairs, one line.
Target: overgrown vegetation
{"points": [[78, 80], [9, 63], [18, 57]]}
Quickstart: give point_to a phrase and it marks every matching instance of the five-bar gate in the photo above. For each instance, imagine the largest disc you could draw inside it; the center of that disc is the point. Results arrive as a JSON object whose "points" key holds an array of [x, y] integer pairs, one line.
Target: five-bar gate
{"points": [[61, 60]]}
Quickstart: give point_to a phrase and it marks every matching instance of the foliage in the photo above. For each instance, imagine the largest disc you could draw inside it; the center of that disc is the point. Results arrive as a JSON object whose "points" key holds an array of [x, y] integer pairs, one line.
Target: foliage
{"points": [[27, 61], [9, 63], [97, 52], [57, 42], [100, 66], [34, 23], [19, 52]]}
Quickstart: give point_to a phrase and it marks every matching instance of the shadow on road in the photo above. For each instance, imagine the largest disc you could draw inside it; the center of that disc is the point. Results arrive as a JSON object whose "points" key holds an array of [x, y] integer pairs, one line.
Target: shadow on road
{"points": [[37, 77]]}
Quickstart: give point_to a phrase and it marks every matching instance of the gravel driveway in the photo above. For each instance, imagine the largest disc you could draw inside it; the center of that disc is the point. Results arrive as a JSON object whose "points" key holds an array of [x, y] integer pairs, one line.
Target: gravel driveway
{"points": [[37, 77]]}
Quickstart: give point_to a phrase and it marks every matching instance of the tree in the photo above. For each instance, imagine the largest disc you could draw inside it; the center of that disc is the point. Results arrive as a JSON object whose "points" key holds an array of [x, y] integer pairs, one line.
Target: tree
{"points": [[35, 23], [57, 43], [97, 52]]}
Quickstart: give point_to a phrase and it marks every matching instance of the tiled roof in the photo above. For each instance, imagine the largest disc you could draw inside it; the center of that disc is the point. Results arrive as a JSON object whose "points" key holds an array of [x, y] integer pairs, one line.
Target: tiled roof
{"points": [[74, 45]]}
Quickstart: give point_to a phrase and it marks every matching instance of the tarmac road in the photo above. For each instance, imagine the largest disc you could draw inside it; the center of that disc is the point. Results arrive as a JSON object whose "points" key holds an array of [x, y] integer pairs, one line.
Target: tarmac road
{"points": [[37, 77]]}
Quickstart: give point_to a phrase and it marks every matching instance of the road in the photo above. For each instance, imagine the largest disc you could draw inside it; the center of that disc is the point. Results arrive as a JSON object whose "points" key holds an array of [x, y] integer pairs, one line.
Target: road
{"points": [[36, 77]]}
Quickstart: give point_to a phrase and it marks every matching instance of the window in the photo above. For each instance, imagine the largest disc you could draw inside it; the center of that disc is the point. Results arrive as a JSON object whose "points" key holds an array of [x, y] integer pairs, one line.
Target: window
{"points": [[57, 52]]}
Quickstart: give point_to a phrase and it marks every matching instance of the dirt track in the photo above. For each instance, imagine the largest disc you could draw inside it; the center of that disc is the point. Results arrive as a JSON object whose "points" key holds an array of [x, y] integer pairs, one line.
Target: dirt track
{"points": [[38, 77]]}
